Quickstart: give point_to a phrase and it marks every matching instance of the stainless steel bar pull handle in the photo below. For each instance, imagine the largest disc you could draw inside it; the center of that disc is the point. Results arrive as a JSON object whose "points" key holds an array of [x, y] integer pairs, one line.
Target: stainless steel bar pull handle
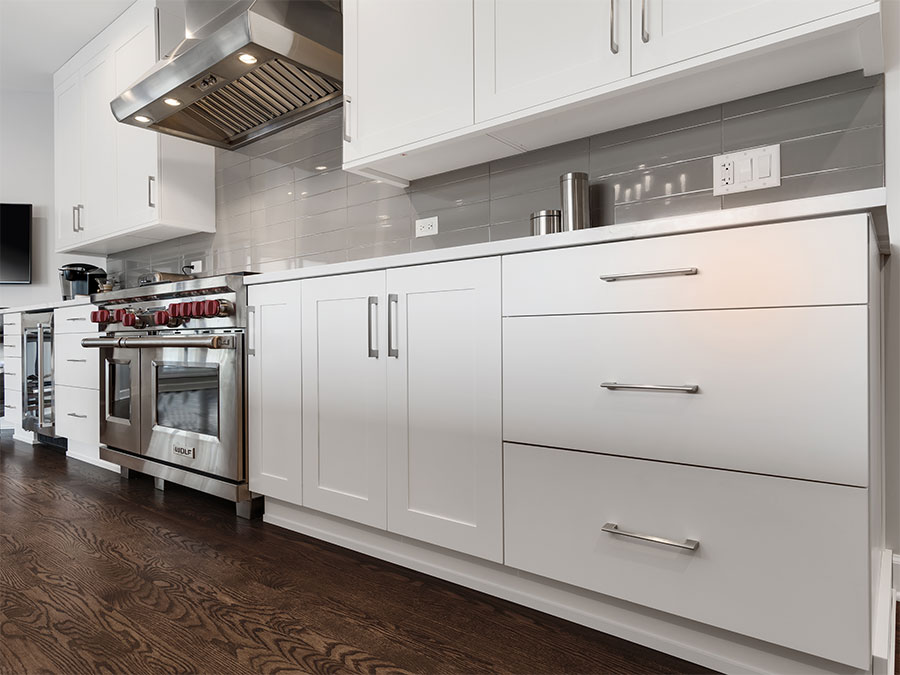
{"points": [[74, 216], [372, 308], [677, 388], [251, 330], [613, 44], [77, 360], [393, 301], [678, 272], [150, 181], [76, 318], [10, 373], [81, 417], [40, 373], [347, 136], [80, 212], [9, 405], [9, 323], [645, 34], [689, 544]]}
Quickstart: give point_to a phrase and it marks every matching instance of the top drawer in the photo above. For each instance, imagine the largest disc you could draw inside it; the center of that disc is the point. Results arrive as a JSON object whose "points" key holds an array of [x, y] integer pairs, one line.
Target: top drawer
{"points": [[12, 324], [74, 319], [811, 262]]}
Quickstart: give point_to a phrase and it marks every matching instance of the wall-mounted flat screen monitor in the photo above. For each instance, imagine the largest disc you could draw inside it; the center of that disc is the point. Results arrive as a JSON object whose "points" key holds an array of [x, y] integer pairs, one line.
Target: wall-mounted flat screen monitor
{"points": [[15, 243]]}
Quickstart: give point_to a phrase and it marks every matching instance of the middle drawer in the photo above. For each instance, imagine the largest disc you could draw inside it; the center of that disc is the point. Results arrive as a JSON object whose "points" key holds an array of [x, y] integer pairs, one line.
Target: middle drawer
{"points": [[76, 366], [779, 391]]}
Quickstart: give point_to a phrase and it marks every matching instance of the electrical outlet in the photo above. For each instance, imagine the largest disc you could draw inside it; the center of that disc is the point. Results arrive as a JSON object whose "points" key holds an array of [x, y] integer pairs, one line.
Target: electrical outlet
{"points": [[426, 227], [745, 170], [197, 266]]}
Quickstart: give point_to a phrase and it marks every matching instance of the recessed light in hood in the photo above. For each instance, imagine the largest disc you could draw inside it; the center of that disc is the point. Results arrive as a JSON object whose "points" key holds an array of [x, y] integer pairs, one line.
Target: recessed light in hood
{"points": [[251, 70]]}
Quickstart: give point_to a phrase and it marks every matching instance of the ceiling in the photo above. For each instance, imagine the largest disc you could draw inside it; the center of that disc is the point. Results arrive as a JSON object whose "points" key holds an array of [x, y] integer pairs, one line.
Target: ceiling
{"points": [[38, 36]]}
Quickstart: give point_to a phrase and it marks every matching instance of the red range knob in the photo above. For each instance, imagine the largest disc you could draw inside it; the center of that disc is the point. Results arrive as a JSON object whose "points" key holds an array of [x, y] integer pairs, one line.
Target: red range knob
{"points": [[161, 317], [173, 309], [197, 308], [118, 315], [129, 320], [100, 316], [211, 308]]}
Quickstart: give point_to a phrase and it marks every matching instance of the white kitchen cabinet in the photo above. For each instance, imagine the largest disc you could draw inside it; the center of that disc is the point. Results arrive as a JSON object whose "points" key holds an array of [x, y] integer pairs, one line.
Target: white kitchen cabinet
{"points": [[407, 72], [273, 391], [118, 186], [67, 159], [664, 33], [528, 52], [344, 355], [445, 461], [77, 418]]}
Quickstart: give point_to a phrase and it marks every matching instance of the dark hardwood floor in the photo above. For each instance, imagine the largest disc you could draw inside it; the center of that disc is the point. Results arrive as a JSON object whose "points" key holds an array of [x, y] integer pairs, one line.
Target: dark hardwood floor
{"points": [[102, 574]]}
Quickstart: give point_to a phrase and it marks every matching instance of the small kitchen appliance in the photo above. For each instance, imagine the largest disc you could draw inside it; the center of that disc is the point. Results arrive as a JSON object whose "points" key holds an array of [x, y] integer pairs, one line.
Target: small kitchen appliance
{"points": [[80, 279]]}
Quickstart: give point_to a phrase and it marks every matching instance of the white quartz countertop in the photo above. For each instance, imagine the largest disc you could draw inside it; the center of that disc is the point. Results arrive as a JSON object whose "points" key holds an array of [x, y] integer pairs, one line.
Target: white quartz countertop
{"points": [[872, 200], [78, 300]]}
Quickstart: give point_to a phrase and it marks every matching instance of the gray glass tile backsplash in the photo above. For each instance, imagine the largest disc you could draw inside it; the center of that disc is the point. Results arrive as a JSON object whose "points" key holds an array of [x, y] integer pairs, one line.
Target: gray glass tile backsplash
{"points": [[284, 202]]}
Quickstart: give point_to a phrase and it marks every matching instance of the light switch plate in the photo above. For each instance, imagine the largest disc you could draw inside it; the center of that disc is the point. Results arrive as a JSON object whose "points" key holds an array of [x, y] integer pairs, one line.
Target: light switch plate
{"points": [[745, 170], [426, 227]]}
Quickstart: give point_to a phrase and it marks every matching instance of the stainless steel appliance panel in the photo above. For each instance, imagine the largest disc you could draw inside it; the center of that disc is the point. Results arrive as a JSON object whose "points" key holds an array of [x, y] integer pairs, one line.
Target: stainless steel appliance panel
{"points": [[37, 373], [120, 396]]}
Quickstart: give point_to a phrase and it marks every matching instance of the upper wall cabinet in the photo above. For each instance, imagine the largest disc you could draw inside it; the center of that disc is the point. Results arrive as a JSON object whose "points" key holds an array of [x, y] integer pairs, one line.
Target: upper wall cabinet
{"points": [[670, 32], [407, 71], [116, 186], [519, 63], [550, 71]]}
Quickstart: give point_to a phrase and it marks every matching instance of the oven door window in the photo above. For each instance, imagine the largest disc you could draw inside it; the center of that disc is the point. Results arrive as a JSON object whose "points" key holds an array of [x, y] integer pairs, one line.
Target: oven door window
{"points": [[187, 397], [119, 389]]}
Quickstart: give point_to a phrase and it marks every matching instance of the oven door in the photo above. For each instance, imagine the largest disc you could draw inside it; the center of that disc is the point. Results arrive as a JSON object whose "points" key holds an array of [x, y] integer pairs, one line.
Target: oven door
{"points": [[120, 398], [192, 409]]}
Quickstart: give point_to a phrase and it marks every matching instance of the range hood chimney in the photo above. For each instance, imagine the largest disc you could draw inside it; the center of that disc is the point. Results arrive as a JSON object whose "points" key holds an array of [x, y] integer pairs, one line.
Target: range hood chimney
{"points": [[246, 69]]}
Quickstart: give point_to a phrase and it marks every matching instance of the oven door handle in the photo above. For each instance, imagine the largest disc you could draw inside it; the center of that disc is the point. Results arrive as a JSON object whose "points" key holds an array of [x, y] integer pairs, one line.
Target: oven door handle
{"points": [[158, 342]]}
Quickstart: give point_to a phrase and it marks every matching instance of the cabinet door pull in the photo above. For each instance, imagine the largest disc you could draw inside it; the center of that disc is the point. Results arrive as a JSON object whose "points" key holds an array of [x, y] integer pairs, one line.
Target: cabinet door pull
{"points": [[150, 181], [77, 360], [76, 318], [251, 330], [678, 388], [613, 44], [9, 323], [9, 405], [645, 34], [9, 373], [689, 544], [372, 339], [393, 301], [80, 214], [74, 215], [680, 272], [347, 136], [81, 417]]}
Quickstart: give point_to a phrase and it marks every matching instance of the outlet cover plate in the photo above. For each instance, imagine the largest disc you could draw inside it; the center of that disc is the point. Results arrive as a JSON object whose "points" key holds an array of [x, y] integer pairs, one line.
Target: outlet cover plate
{"points": [[426, 227], [745, 170]]}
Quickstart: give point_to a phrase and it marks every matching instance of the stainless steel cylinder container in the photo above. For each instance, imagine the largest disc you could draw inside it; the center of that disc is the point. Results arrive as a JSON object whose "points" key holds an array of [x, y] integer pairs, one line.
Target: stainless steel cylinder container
{"points": [[546, 222], [574, 193]]}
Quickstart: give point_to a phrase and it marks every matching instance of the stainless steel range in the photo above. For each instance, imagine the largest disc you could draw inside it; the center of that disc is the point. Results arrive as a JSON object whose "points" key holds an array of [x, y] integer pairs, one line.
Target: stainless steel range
{"points": [[172, 393]]}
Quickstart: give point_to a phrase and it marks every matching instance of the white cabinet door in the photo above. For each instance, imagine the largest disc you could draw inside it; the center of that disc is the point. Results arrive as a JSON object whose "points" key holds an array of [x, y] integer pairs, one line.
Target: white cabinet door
{"points": [[273, 389], [407, 72], [137, 151], [445, 454], [529, 52], [667, 32], [67, 145], [344, 404], [98, 87]]}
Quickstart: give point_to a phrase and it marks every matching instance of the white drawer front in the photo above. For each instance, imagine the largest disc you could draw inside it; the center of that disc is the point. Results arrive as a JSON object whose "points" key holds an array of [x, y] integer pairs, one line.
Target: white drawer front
{"points": [[781, 391], [12, 373], [815, 262], [12, 324], [77, 414], [12, 346], [74, 319], [780, 560], [75, 366], [12, 406]]}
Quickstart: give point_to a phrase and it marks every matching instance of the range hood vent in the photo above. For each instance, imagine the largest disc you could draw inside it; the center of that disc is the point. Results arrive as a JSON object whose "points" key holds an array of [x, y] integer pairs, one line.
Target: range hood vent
{"points": [[262, 69]]}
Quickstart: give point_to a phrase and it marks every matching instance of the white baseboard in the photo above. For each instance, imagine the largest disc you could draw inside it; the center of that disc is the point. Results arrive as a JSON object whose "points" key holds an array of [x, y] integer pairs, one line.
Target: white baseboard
{"points": [[896, 571], [705, 645], [90, 453], [884, 618], [25, 436]]}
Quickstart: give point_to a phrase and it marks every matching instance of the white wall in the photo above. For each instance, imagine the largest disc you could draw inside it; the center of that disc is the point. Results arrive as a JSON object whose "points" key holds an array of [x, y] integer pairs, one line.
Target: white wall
{"points": [[26, 176]]}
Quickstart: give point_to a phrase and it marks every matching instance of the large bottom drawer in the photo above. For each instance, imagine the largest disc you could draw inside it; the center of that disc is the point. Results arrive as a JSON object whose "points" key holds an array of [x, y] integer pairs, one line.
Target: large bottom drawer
{"points": [[77, 414], [777, 559]]}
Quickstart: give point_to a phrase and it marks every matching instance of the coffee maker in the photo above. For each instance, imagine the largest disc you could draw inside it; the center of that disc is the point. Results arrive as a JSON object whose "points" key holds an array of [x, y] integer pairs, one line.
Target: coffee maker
{"points": [[80, 279]]}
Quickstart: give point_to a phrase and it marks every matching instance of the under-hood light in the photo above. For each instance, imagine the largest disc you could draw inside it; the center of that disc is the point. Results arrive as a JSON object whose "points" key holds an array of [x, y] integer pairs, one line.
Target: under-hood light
{"points": [[249, 59], [143, 119], [172, 102]]}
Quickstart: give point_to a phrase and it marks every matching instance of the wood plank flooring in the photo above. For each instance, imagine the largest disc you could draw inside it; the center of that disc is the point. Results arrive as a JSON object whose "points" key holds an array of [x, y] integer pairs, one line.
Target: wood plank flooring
{"points": [[103, 574]]}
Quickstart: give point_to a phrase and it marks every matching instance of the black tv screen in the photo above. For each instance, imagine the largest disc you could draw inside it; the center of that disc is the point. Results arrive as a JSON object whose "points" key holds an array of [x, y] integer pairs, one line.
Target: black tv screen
{"points": [[15, 243]]}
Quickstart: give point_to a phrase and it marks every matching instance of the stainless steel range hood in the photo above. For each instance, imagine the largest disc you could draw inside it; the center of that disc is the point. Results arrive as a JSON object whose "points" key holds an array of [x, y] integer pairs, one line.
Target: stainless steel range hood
{"points": [[245, 70]]}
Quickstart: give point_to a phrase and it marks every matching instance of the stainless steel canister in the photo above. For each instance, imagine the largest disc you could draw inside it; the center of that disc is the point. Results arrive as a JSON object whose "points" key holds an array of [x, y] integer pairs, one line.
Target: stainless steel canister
{"points": [[574, 192], [546, 222]]}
